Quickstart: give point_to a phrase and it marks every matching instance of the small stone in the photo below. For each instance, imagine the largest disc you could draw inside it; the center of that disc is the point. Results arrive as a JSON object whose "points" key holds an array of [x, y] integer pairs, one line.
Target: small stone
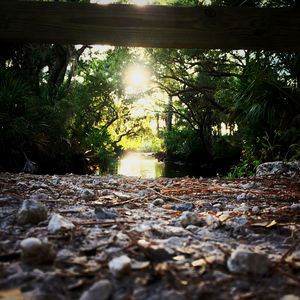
{"points": [[39, 196], [189, 218], [184, 207], [246, 262], [122, 195], [59, 224], [96, 182], [159, 252], [192, 228], [141, 194], [255, 208], [158, 202], [221, 277], [100, 290], [240, 221], [295, 207], [120, 266], [103, 213], [34, 251], [290, 297], [171, 295], [112, 182], [212, 221], [86, 194], [31, 212], [241, 196]]}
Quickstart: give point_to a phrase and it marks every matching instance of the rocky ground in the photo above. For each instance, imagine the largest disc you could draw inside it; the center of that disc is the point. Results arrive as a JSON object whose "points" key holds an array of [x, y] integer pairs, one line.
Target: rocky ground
{"points": [[114, 237]]}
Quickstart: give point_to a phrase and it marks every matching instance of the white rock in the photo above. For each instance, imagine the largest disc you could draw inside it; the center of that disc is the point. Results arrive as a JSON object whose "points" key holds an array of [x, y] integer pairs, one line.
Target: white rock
{"points": [[30, 244], [59, 224], [31, 212], [119, 266], [246, 262], [278, 168], [34, 251], [189, 218], [100, 290]]}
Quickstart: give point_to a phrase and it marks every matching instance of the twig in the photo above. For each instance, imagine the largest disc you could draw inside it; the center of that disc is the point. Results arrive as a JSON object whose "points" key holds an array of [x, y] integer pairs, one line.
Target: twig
{"points": [[290, 250], [88, 223], [164, 196]]}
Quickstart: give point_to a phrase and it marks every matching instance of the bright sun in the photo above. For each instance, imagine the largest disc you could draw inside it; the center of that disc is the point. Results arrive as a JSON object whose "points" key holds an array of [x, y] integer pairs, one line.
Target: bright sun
{"points": [[137, 2], [136, 76]]}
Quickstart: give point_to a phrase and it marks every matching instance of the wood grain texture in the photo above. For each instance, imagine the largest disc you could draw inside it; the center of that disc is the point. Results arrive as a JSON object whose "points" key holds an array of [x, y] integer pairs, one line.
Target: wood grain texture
{"points": [[150, 26]]}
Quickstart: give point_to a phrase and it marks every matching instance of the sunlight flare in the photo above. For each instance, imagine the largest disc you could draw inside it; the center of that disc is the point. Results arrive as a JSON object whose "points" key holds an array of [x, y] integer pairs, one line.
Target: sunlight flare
{"points": [[136, 76], [136, 2]]}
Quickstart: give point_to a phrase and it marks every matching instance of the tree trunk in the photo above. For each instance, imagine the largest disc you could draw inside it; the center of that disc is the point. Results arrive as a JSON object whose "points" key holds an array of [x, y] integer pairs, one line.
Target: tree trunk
{"points": [[169, 114]]}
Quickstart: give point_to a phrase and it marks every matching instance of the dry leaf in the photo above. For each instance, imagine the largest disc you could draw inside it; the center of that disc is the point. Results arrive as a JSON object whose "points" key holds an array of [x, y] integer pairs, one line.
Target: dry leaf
{"points": [[273, 223]]}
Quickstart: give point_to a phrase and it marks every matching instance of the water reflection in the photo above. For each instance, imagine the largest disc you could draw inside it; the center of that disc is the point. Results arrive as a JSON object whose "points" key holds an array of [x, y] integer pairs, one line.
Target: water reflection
{"points": [[140, 165]]}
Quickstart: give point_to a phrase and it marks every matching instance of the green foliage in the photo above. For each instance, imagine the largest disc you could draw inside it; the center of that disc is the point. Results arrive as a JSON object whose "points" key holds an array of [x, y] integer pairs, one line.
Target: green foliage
{"points": [[247, 165], [226, 147], [181, 143]]}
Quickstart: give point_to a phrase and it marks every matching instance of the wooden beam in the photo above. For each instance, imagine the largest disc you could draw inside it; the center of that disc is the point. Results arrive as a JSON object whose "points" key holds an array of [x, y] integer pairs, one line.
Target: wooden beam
{"points": [[150, 26]]}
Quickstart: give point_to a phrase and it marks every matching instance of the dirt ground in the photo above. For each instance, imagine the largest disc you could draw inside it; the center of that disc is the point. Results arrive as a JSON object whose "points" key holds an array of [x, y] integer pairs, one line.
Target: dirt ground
{"points": [[115, 237]]}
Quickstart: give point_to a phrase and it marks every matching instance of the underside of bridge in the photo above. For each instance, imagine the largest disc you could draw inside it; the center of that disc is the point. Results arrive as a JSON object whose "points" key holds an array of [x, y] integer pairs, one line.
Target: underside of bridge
{"points": [[150, 26]]}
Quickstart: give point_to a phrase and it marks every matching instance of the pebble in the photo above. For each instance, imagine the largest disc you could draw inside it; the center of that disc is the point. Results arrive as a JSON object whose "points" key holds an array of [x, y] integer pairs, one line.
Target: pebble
{"points": [[112, 182], [158, 202], [34, 251], [295, 207], [39, 196], [122, 196], [192, 228], [255, 208], [104, 213], [247, 185], [158, 251], [290, 297], [31, 212], [240, 221], [120, 266], [86, 194], [189, 218], [212, 221], [58, 223], [246, 262], [241, 196], [100, 290], [184, 207]]}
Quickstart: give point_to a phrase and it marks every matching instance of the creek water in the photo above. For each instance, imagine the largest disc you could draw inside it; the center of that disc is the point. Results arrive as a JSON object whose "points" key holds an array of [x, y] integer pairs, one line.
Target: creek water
{"points": [[141, 164]]}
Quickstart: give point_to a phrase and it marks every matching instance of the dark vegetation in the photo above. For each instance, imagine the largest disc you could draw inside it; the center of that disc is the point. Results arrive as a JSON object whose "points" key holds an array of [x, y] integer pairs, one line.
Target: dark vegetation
{"points": [[49, 116]]}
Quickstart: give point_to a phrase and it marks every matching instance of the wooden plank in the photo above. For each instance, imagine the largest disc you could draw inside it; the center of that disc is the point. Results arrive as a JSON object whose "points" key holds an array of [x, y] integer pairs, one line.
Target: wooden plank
{"points": [[150, 26]]}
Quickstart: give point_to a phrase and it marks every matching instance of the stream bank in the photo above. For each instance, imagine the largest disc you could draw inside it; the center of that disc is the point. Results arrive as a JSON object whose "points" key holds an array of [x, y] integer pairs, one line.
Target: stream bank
{"points": [[117, 237]]}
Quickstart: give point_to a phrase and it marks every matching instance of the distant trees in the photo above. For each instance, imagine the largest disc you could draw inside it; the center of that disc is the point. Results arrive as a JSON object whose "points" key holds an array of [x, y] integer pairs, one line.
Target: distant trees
{"points": [[65, 107], [257, 91]]}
